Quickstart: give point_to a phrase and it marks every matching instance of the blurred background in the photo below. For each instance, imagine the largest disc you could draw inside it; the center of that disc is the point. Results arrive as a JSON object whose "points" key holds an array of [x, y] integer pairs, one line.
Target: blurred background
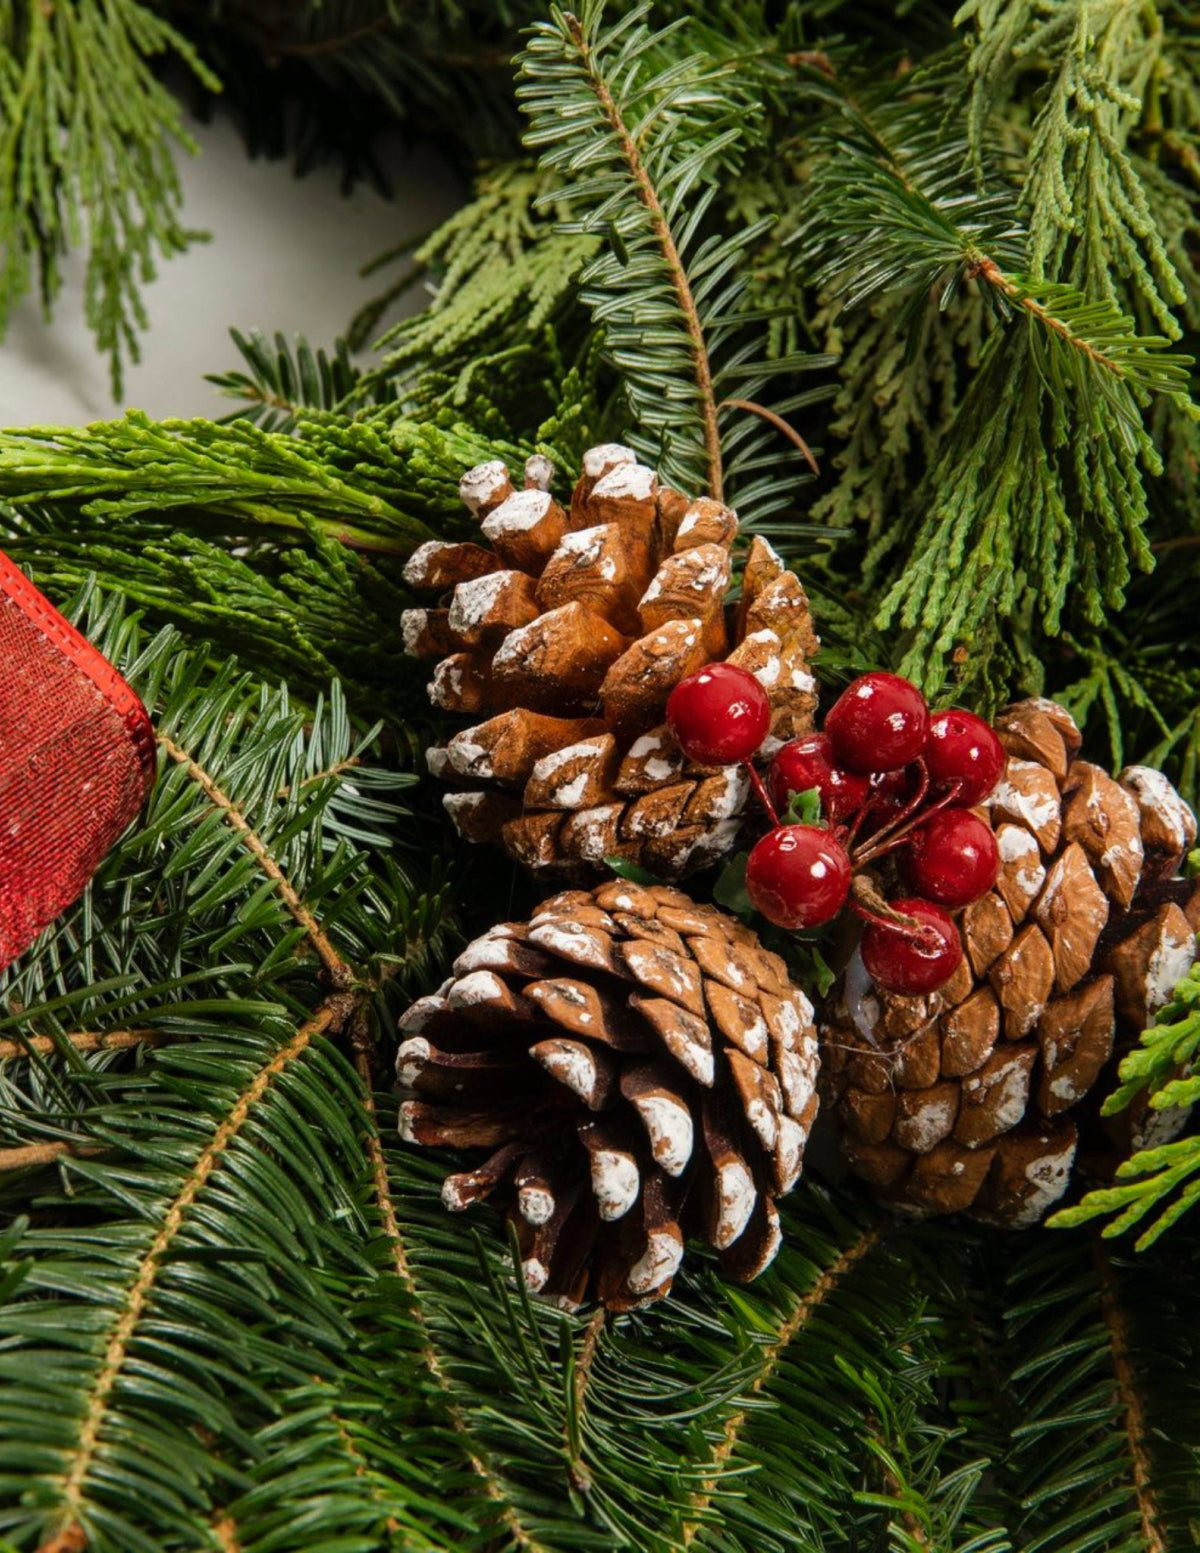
{"points": [[284, 254]]}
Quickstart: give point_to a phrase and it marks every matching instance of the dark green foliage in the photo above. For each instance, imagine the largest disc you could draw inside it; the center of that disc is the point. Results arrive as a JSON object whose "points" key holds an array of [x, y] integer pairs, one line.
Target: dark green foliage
{"points": [[644, 135], [233, 1312]]}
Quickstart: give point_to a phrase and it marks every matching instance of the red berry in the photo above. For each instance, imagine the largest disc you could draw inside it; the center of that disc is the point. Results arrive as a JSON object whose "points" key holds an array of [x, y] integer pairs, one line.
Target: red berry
{"points": [[963, 752], [719, 715], [911, 963], [798, 876], [953, 858], [878, 723], [806, 763]]}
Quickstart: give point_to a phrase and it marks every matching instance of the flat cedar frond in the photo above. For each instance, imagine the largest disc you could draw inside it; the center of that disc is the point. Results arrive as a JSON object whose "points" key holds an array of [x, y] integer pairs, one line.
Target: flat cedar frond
{"points": [[640, 139], [88, 149], [1162, 1179], [1089, 217], [1047, 503]]}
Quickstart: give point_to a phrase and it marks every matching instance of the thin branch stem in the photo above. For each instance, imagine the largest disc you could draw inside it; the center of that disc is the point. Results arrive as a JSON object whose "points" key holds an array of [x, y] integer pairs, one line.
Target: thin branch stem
{"points": [[65, 1538], [980, 267], [225, 1531], [340, 971], [30, 1154], [1129, 1395], [893, 1486], [675, 270], [580, 1475], [385, 1202], [773, 1355], [84, 1041], [779, 424]]}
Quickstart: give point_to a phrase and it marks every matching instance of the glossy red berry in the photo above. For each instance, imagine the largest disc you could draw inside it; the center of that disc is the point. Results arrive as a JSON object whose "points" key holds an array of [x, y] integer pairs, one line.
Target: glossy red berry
{"points": [[963, 752], [878, 723], [902, 961], [806, 763], [719, 715], [953, 858], [798, 876]]}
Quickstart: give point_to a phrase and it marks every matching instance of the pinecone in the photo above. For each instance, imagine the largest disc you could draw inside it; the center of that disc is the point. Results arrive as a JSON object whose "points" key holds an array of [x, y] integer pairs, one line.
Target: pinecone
{"points": [[641, 1068], [567, 638], [961, 1100]]}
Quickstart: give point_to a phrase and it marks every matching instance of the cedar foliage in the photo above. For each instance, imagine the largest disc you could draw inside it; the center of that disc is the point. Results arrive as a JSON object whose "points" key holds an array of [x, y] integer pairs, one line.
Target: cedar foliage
{"points": [[954, 253]]}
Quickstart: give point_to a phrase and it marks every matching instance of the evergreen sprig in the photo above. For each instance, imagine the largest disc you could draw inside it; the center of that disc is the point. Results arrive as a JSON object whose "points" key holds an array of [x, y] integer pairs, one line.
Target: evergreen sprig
{"points": [[1074, 372], [642, 136], [284, 380]]}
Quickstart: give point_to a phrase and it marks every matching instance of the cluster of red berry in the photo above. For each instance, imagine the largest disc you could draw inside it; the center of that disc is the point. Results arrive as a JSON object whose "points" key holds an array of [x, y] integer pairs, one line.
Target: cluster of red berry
{"points": [[892, 779]]}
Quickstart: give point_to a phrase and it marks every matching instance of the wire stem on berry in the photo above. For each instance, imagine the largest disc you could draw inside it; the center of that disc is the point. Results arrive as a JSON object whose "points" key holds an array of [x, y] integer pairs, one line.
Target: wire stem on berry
{"points": [[867, 903], [879, 845], [764, 797], [909, 809]]}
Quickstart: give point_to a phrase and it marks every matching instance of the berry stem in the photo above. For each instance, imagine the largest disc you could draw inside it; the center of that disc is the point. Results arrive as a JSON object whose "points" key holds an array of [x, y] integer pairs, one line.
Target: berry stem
{"points": [[867, 903], [764, 797], [909, 809], [882, 843]]}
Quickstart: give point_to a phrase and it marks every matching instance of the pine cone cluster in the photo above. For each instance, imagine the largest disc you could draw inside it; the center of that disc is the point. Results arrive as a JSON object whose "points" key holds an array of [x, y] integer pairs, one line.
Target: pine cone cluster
{"points": [[960, 1100], [566, 635], [640, 1069]]}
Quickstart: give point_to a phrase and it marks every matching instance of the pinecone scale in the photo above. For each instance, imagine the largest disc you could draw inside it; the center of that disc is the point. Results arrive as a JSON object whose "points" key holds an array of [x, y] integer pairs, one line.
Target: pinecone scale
{"points": [[962, 1099]]}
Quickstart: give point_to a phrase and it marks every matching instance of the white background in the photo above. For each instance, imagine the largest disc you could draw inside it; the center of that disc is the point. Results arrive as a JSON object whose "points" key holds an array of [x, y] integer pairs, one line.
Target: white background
{"points": [[284, 254]]}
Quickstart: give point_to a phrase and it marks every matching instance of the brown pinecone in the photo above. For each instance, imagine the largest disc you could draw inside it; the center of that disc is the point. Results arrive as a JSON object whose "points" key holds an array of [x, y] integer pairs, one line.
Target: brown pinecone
{"points": [[567, 636], [640, 1068], [961, 1100]]}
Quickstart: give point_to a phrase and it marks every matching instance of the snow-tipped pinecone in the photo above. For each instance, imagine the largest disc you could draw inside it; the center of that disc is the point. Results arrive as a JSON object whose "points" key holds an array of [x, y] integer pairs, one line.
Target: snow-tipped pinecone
{"points": [[961, 1100], [567, 636], [639, 1068]]}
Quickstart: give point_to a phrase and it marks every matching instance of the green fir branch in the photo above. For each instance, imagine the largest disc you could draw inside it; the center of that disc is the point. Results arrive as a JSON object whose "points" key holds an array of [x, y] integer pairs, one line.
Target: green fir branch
{"points": [[642, 141], [285, 381], [1047, 505]]}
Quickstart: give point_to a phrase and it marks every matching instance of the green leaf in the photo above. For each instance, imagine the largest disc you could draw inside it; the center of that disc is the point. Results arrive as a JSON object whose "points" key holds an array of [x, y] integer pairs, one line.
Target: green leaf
{"points": [[803, 808]]}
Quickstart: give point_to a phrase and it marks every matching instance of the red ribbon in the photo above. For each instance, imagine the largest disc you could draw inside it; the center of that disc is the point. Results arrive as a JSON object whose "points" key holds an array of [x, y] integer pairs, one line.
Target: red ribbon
{"points": [[77, 758]]}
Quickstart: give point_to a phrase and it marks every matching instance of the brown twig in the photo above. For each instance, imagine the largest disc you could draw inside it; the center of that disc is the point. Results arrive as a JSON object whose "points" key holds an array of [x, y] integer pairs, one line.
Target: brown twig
{"points": [[580, 1475], [891, 1484], [84, 1041], [779, 424], [336, 769], [666, 241], [66, 1534], [31, 1154], [772, 1356], [385, 1202], [361, 1467], [1130, 1398], [225, 1531], [984, 268]]}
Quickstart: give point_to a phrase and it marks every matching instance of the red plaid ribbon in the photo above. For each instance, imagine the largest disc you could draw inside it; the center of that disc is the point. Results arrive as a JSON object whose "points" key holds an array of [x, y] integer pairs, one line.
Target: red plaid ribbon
{"points": [[76, 760]]}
